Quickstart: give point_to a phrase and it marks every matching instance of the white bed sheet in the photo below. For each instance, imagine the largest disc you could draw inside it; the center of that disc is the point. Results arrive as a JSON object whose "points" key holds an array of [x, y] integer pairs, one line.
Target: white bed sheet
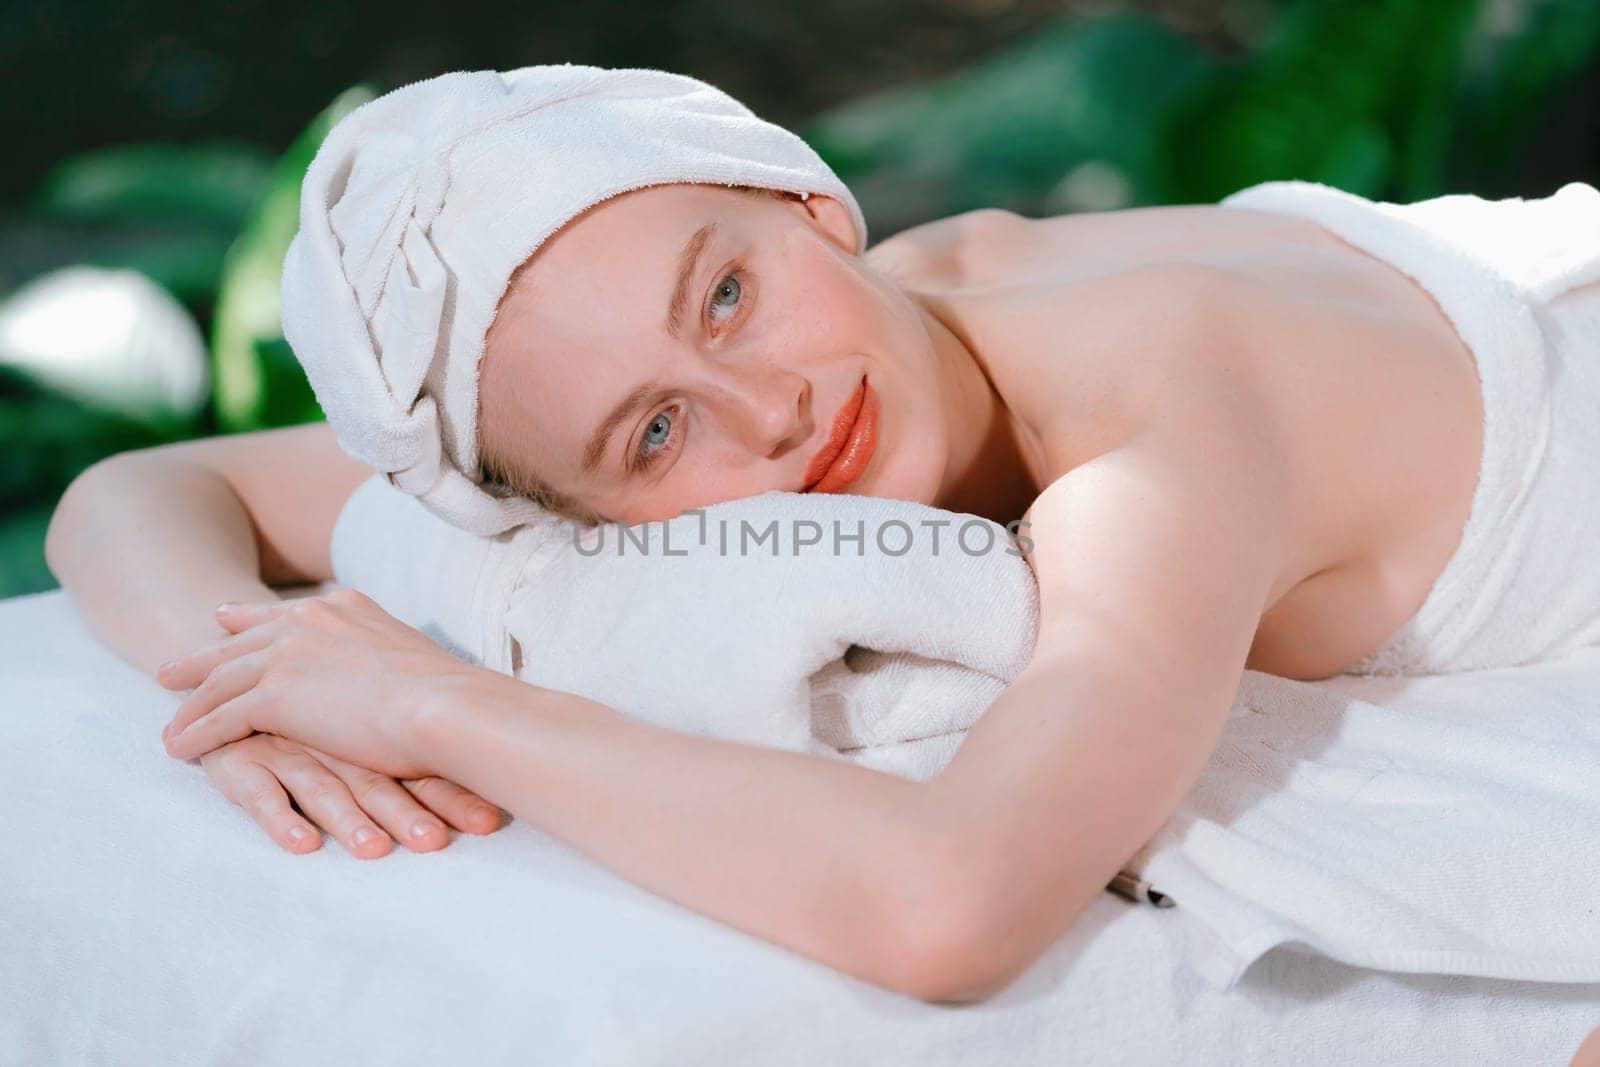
{"points": [[144, 919]]}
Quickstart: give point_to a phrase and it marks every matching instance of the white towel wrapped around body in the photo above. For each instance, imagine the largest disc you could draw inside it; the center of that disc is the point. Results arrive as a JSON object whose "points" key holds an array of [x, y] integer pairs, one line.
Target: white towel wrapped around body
{"points": [[1510, 275]]}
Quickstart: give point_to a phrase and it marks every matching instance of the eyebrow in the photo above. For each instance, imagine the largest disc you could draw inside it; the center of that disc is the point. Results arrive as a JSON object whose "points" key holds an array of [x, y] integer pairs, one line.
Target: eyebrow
{"points": [[594, 451], [688, 259]]}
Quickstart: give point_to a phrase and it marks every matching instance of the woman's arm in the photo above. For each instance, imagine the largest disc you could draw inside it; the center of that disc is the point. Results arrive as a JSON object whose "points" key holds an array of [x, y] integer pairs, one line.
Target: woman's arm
{"points": [[1154, 564], [839, 863], [147, 543], [820, 855]]}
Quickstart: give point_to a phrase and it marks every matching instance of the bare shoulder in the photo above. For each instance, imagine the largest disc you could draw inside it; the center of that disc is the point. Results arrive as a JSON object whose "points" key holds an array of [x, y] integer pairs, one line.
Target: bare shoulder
{"points": [[1165, 551], [938, 252], [1089, 361]]}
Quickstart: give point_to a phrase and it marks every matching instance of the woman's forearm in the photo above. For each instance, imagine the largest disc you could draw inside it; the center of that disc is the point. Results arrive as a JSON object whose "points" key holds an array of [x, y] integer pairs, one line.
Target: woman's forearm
{"points": [[829, 859], [147, 546]]}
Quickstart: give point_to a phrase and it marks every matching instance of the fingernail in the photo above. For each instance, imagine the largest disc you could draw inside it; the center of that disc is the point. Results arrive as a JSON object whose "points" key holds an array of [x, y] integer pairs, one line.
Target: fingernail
{"points": [[227, 605], [167, 666], [484, 813], [424, 827], [297, 834], [363, 835]]}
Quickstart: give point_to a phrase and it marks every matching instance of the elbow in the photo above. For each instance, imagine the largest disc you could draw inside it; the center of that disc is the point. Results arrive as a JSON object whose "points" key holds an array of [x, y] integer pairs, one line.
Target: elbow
{"points": [[946, 981], [66, 522], [960, 945]]}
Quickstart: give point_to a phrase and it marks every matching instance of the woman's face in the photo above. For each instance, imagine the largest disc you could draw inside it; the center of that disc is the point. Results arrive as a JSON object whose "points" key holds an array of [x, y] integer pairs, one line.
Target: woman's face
{"points": [[737, 395]]}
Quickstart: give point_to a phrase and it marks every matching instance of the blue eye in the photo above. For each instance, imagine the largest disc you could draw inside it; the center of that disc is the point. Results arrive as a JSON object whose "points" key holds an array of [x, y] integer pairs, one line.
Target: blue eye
{"points": [[660, 435], [729, 287], [659, 432]]}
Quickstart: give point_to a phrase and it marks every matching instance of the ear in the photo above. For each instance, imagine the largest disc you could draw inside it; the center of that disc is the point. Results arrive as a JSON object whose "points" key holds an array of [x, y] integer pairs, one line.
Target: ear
{"points": [[829, 216]]}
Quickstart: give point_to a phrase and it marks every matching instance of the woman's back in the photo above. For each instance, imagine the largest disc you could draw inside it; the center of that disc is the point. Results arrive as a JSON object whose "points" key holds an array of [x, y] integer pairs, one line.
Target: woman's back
{"points": [[1094, 327]]}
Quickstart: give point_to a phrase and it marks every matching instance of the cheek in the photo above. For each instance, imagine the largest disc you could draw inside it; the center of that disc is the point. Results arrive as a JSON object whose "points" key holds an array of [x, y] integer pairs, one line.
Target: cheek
{"points": [[882, 329], [914, 442], [828, 309]]}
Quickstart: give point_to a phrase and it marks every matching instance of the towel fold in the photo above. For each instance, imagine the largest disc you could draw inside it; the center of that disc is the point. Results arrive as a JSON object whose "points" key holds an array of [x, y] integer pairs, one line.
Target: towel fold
{"points": [[1460, 842], [1460, 835], [857, 627]]}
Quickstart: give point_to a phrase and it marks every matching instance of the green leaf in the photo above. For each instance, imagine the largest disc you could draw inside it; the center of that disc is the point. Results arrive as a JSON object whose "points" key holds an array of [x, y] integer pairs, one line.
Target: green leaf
{"points": [[1006, 130], [248, 314], [134, 183], [185, 256], [287, 396], [49, 439], [1354, 95], [22, 565]]}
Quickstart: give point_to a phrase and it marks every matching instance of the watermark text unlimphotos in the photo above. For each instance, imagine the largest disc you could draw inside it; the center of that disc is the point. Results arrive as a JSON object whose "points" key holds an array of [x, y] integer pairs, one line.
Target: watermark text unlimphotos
{"points": [[890, 537]]}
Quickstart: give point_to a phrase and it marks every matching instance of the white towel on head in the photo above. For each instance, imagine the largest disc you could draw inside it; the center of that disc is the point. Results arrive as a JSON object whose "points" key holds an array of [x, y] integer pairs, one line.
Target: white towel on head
{"points": [[421, 204], [1324, 818]]}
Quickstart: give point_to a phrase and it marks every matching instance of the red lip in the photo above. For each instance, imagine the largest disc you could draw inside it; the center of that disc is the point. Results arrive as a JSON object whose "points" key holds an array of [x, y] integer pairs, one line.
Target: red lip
{"points": [[850, 444]]}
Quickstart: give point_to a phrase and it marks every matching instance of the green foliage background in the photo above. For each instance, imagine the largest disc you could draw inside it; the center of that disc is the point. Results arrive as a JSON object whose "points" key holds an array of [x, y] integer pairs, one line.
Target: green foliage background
{"points": [[1400, 100]]}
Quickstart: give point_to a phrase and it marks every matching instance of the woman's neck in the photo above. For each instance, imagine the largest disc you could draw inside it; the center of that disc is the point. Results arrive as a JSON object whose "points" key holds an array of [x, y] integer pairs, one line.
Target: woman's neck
{"points": [[997, 463]]}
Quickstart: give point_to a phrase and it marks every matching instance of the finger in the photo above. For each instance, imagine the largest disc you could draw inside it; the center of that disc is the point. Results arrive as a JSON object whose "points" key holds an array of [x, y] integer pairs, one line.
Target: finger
{"points": [[190, 669], [395, 809], [258, 792], [328, 801], [232, 720], [464, 810], [230, 679], [235, 616]]}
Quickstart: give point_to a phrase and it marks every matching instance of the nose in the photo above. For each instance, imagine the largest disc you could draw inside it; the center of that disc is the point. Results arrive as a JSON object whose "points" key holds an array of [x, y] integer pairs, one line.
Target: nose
{"points": [[767, 405]]}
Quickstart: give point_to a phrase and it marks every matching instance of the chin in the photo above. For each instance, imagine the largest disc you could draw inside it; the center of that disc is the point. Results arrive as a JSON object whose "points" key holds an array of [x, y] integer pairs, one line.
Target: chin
{"points": [[900, 470], [917, 481]]}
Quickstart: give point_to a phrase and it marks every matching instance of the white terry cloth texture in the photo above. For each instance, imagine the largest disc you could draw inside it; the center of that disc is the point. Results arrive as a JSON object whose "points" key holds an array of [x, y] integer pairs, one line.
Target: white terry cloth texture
{"points": [[421, 204], [145, 919], [1456, 833], [1524, 584], [871, 628]]}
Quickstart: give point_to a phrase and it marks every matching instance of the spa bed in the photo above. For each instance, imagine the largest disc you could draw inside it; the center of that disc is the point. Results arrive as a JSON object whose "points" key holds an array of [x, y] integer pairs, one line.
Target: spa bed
{"points": [[145, 919]]}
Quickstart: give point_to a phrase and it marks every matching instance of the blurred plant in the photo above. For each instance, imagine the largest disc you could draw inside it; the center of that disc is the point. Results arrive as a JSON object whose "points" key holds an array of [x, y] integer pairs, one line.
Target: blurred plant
{"points": [[47, 438], [1398, 99], [167, 211], [258, 380], [1519, 57], [1383, 99], [111, 340], [1339, 93], [100, 357], [1013, 130], [202, 182]]}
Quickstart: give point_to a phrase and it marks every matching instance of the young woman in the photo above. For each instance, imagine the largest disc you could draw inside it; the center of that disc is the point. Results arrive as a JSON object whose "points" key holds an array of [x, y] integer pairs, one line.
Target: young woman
{"points": [[1240, 442]]}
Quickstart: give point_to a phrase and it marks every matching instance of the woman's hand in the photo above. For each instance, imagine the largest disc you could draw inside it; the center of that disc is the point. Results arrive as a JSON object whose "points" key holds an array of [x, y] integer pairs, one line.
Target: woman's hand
{"points": [[263, 772], [334, 672]]}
